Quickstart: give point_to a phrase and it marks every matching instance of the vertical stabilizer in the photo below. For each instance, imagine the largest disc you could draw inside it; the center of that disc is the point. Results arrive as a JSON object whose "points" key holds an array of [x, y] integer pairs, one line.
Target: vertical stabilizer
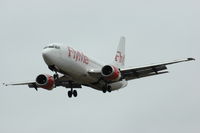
{"points": [[119, 60]]}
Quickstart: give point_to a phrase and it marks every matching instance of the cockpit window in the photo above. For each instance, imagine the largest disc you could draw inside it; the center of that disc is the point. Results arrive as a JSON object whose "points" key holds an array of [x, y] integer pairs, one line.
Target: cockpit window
{"points": [[52, 46]]}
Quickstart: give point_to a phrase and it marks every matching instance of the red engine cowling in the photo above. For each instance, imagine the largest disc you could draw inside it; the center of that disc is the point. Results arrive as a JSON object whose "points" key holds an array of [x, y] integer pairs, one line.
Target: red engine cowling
{"points": [[45, 81], [111, 73]]}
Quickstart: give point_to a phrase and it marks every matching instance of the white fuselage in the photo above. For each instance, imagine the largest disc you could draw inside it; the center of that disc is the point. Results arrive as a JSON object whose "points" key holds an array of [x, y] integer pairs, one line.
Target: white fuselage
{"points": [[76, 65]]}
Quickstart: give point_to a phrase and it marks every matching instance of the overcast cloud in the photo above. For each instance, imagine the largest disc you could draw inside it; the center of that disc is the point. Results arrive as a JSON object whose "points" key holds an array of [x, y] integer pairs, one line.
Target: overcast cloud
{"points": [[156, 31]]}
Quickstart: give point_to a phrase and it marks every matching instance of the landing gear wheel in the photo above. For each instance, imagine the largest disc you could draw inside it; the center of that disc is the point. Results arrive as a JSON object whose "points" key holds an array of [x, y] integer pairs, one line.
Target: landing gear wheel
{"points": [[75, 93], [69, 94], [104, 90], [109, 89]]}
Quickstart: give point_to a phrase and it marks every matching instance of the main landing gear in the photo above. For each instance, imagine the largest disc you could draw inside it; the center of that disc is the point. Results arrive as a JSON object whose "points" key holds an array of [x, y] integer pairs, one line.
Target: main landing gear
{"points": [[106, 88], [72, 92], [54, 69]]}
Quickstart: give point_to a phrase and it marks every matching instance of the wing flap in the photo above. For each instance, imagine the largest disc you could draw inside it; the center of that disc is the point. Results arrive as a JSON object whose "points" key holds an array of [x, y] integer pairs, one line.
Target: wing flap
{"points": [[139, 72], [133, 76]]}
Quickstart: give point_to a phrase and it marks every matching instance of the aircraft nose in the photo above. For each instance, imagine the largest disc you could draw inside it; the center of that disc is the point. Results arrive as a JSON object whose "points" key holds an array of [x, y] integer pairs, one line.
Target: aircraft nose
{"points": [[45, 53], [47, 56]]}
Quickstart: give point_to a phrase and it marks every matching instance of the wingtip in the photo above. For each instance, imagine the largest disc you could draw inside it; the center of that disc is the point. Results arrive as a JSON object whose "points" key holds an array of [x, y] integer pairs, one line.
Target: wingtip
{"points": [[4, 84], [190, 59]]}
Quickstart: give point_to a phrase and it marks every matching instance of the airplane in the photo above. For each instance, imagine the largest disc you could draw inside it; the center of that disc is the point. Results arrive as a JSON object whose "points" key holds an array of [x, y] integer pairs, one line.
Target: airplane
{"points": [[73, 69]]}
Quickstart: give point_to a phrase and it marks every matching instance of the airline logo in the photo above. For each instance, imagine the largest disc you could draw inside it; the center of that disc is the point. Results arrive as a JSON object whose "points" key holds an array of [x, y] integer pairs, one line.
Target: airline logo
{"points": [[77, 56], [119, 57]]}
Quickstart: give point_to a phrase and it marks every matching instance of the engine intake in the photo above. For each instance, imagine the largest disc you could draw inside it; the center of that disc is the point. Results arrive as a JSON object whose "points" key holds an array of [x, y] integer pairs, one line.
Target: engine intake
{"points": [[45, 81], [41, 79], [111, 73]]}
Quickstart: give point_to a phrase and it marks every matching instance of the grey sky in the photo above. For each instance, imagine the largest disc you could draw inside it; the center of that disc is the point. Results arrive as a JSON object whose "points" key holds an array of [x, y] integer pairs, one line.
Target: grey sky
{"points": [[156, 31]]}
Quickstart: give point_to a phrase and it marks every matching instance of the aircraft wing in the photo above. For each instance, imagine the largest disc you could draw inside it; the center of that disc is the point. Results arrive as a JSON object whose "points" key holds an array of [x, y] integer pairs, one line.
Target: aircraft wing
{"points": [[24, 83], [151, 70], [30, 84], [64, 81]]}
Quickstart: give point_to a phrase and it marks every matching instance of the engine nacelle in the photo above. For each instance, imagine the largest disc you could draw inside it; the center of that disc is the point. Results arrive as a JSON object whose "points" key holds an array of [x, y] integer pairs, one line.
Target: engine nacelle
{"points": [[45, 81], [111, 73]]}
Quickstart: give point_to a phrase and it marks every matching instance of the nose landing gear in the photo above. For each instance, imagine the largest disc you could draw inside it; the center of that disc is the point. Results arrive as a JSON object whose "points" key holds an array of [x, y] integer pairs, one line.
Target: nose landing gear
{"points": [[54, 69], [55, 76], [72, 92]]}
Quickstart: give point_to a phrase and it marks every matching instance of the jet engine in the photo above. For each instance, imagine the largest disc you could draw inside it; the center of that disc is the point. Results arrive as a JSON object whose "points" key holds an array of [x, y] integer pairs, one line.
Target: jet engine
{"points": [[111, 73], [45, 81]]}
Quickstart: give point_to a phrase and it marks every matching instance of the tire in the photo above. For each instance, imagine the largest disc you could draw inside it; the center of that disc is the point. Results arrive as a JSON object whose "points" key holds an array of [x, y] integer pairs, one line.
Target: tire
{"points": [[109, 89], [69, 94], [104, 90], [75, 93]]}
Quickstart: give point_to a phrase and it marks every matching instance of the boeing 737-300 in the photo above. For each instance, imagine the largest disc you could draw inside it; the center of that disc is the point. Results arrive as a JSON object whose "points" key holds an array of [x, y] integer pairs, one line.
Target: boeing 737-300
{"points": [[74, 69]]}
